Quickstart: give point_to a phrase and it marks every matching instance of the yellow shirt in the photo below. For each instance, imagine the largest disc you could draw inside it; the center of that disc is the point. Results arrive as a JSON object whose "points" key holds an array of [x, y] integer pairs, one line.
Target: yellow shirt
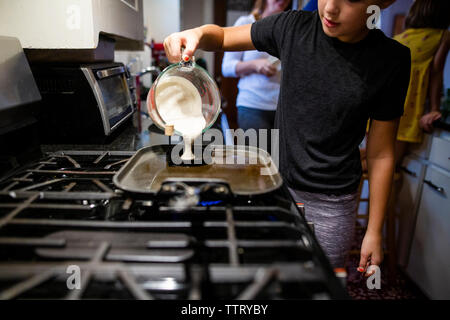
{"points": [[423, 44]]}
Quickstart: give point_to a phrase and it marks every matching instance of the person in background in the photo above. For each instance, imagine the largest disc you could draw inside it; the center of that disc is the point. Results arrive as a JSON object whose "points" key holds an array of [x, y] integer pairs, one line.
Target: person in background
{"points": [[259, 73], [337, 73], [428, 39]]}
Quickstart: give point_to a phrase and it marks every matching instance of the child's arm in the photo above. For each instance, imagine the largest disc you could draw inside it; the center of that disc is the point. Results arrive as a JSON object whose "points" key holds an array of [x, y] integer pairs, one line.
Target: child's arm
{"points": [[210, 38], [381, 163], [436, 80]]}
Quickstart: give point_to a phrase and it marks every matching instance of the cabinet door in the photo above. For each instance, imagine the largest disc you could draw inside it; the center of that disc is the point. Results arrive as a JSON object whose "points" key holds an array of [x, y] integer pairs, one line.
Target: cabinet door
{"points": [[123, 18], [407, 203], [429, 263], [440, 152], [422, 150]]}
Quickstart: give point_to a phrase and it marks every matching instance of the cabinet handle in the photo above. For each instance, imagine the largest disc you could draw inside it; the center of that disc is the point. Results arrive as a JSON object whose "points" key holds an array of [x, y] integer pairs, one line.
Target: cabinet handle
{"points": [[435, 187], [406, 170]]}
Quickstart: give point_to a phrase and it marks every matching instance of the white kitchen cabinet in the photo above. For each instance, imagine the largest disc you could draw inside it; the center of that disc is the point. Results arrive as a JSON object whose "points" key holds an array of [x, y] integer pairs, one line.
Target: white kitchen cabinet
{"points": [[71, 24], [440, 153], [429, 262], [423, 208], [408, 202], [422, 150]]}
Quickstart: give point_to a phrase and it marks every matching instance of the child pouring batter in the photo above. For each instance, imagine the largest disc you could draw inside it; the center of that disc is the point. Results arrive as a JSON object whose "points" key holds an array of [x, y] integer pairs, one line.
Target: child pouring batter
{"points": [[337, 75]]}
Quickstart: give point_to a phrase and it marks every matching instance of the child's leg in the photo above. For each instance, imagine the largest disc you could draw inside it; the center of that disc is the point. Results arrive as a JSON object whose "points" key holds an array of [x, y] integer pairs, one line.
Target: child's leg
{"points": [[334, 222]]}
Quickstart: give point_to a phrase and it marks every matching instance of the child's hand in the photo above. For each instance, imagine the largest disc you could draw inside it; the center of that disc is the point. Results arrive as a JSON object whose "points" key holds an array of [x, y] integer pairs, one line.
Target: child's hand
{"points": [[426, 122], [174, 43], [371, 252], [265, 67]]}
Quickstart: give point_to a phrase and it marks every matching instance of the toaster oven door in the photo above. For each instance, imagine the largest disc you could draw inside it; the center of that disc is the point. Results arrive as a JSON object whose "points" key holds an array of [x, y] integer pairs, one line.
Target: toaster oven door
{"points": [[113, 95]]}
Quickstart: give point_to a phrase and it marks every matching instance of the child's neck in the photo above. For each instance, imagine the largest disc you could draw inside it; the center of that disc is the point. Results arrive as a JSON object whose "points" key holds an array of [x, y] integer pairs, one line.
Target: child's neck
{"points": [[354, 38]]}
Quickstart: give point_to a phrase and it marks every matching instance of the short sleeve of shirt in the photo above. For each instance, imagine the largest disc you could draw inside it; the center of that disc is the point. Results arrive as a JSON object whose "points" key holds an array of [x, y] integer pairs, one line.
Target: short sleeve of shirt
{"points": [[268, 34], [390, 100]]}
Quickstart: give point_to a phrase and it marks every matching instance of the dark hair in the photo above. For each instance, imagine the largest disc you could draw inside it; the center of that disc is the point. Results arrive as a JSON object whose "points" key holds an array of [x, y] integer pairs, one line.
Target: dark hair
{"points": [[429, 14]]}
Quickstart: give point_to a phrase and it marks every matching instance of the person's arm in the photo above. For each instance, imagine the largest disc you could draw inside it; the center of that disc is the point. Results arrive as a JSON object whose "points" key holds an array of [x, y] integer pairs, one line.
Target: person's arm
{"points": [[436, 81], [234, 65], [261, 66], [229, 63], [381, 164], [209, 38]]}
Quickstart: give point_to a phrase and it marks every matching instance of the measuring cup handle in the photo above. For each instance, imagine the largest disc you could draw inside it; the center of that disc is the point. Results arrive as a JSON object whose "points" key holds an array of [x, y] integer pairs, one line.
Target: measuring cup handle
{"points": [[189, 61]]}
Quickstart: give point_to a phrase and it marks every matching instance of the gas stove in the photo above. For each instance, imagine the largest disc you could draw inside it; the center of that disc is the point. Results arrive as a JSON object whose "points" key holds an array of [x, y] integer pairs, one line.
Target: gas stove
{"points": [[64, 213]]}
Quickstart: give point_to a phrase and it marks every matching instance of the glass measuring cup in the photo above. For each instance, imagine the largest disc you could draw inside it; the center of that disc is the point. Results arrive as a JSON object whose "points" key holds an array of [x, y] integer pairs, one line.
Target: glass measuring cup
{"points": [[202, 81]]}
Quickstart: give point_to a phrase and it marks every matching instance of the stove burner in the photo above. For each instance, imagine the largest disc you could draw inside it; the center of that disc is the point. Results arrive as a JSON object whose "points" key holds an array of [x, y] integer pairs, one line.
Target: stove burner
{"points": [[64, 212]]}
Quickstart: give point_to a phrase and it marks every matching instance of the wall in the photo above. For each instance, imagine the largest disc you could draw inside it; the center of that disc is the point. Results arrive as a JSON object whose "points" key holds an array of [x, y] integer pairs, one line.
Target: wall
{"points": [[388, 14], [195, 13], [161, 17]]}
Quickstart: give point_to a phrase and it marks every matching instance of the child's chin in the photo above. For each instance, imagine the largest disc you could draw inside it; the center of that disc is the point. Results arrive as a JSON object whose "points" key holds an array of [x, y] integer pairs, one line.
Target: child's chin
{"points": [[331, 33]]}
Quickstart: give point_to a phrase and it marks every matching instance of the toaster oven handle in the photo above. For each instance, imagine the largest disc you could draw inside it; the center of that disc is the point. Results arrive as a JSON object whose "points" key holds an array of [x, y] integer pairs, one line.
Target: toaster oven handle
{"points": [[101, 74]]}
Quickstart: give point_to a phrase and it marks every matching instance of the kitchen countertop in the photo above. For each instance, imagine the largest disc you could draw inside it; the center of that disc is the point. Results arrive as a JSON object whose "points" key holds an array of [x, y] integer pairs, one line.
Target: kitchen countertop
{"points": [[444, 125], [128, 139]]}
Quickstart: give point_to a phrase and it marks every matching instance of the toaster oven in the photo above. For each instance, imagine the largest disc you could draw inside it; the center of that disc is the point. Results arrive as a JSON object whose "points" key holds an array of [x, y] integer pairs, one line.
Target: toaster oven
{"points": [[83, 103]]}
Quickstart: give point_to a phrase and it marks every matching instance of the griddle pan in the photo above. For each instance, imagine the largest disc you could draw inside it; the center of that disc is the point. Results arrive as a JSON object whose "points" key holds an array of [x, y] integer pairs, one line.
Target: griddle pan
{"points": [[247, 170]]}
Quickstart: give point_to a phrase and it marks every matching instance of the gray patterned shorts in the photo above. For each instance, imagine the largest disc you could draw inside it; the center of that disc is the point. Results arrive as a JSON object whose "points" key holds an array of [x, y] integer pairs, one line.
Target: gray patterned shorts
{"points": [[334, 220]]}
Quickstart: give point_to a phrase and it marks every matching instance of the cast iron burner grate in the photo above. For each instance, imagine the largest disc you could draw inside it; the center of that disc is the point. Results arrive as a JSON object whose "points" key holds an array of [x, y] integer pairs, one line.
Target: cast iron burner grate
{"points": [[65, 212]]}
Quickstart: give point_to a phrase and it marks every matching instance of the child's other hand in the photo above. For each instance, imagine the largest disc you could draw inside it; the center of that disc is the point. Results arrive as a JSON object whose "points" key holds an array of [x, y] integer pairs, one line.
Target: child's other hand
{"points": [[188, 39], [371, 252], [265, 67], [426, 122]]}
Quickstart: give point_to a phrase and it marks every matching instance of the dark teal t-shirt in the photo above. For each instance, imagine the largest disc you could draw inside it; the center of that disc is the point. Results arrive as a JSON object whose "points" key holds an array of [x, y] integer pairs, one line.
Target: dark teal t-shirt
{"points": [[329, 90]]}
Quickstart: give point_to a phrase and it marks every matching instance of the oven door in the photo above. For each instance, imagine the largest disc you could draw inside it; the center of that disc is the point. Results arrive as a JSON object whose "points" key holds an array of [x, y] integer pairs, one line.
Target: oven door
{"points": [[112, 93]]}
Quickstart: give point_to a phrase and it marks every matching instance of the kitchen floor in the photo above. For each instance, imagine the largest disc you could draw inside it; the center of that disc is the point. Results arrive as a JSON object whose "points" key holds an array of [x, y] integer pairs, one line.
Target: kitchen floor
{"points": [[401, 288]]}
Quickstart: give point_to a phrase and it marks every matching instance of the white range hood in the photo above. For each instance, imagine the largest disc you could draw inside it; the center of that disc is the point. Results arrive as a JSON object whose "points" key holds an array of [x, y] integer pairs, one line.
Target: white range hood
{"points": [[72, 24]]}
